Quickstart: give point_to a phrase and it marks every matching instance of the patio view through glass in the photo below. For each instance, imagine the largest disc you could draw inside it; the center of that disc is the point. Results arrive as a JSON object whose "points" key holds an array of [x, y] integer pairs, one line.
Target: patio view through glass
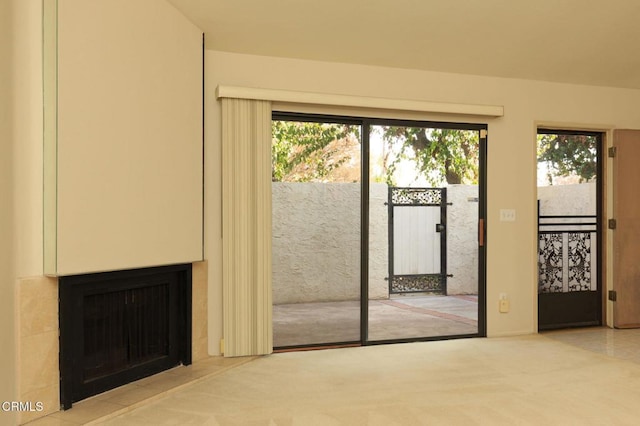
{"points": [[375, 231]]}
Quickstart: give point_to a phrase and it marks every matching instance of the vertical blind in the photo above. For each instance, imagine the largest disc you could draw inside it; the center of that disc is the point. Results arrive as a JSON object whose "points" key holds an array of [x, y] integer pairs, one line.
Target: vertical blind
{"points": [[246, 224]]}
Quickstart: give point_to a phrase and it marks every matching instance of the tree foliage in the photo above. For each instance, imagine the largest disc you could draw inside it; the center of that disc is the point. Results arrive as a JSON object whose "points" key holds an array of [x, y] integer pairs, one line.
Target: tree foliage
{"points": [[310, 151], [441, 155], [568, 155], [307, 151]]}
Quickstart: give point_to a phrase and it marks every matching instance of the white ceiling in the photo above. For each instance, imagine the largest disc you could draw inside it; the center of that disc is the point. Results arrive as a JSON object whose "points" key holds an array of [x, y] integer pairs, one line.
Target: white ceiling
{"points": [[594, 42]]}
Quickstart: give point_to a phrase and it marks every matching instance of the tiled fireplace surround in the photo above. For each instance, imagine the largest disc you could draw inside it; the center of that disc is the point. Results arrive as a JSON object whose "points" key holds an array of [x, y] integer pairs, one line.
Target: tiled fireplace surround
{"points": [[38, 344]]}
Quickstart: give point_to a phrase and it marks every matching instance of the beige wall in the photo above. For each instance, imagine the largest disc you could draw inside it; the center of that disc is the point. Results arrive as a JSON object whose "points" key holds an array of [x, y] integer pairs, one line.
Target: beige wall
{"points": [[7, 361], [129, 136], [511, 157], [21, 174], [27, 164]]}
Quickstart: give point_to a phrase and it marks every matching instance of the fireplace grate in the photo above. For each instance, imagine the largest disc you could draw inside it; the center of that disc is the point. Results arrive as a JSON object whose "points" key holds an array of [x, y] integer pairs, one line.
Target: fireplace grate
{"points": [[118, 327]]}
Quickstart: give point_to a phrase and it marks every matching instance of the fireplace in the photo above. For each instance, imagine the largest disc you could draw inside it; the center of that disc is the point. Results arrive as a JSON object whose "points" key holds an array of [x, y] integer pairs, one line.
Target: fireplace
{"points": [[118, 327]]}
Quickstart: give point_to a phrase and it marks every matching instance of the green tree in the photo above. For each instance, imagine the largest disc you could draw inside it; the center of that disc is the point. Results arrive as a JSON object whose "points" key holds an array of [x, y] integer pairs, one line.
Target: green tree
{"points": [[307, 151], [441, 155], [568, 155]]}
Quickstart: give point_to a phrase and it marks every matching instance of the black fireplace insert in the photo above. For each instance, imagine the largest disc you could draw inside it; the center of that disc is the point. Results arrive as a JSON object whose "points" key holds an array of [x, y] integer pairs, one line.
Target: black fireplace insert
{"points": [[118, 327]]}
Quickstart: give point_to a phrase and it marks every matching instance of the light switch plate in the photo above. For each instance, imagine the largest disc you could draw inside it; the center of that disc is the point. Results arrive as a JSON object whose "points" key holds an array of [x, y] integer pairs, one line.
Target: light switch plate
{"points": [[507, 215]]}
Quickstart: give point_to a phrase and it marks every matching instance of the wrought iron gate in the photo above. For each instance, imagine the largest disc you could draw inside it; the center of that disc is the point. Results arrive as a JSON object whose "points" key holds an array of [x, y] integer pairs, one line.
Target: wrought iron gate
{"points": [[417, 240], [568, 290]]}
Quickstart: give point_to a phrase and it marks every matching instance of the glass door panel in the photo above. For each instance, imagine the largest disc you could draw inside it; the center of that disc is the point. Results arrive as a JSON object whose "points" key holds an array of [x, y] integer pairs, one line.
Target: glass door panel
{"points": [[316, 194], [424, 206]]}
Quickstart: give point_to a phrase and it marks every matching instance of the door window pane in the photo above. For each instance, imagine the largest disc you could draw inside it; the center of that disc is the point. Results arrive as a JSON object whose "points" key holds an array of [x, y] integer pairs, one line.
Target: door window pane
{"points": [[316, 193], [423, 217]]}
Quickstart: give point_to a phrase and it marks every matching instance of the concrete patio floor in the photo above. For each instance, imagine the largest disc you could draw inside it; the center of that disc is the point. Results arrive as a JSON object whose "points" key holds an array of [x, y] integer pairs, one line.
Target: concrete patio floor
{"points": [[401, 317]]}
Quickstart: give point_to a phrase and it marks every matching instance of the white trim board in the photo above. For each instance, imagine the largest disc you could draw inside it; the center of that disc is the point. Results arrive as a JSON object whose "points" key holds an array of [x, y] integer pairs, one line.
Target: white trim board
{"points": [[289, 96]]}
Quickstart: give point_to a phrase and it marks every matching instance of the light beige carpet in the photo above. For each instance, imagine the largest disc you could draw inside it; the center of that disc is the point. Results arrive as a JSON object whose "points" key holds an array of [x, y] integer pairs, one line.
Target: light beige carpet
{"points": [[531, 380]]}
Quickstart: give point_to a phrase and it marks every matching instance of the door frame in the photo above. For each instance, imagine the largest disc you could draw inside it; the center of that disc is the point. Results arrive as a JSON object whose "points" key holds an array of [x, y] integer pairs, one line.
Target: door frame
{"points": [[602, 244], [482, 129], [364, 122]]}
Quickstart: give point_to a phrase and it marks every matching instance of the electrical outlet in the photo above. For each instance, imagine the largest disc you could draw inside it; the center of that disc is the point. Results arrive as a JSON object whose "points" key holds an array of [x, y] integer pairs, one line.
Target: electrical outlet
{"points": [[504, 306], [507, 215]]}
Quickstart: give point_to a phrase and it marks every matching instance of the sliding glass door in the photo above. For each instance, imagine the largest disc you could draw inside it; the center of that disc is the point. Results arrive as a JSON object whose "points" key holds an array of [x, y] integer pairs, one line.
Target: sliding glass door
{"points": [[424, 211], [386, 249]]}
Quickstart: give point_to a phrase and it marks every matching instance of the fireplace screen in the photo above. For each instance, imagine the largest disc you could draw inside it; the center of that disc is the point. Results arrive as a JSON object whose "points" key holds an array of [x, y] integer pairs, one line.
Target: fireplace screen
{"points": [[118, 327]]}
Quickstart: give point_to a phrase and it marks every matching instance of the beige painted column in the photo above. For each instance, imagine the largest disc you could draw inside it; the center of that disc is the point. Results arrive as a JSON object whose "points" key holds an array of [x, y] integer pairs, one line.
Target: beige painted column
{"points": [[7, 355]]}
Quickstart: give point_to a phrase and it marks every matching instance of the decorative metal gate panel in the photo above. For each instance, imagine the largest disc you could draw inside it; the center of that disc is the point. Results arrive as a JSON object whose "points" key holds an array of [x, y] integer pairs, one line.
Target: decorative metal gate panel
{"points": [[417, 240], [568, 291], [567, 253]]}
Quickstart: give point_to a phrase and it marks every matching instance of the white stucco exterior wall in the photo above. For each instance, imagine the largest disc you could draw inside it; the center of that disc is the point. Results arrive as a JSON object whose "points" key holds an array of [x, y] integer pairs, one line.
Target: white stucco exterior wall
{"points": [[316, 241], [577, 199], [462, 239], [378, 241]]}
